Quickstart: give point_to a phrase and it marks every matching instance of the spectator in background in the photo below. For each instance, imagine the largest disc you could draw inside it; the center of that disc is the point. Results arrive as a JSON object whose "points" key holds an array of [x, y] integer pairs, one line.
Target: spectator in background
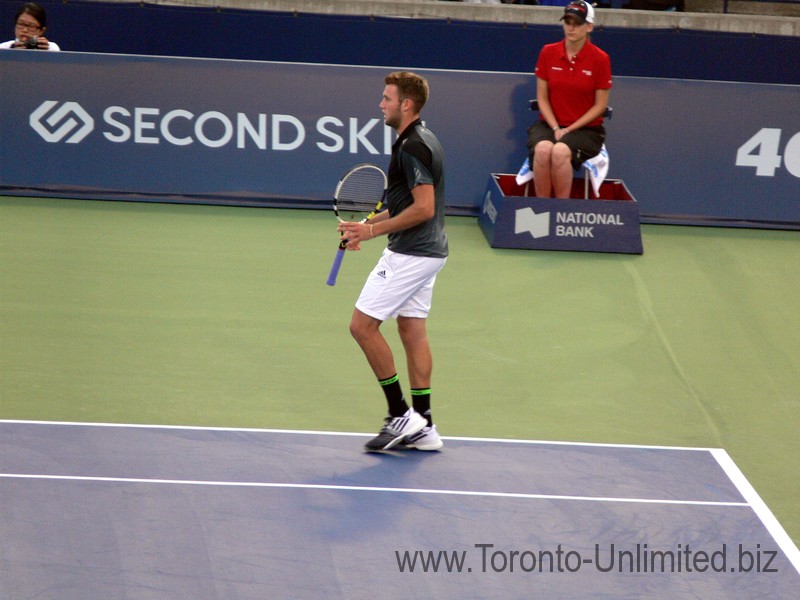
{"points": [[573, 82], [29, 27]]}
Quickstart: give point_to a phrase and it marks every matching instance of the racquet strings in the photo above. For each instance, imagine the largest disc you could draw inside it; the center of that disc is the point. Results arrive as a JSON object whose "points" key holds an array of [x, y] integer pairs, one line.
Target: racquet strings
{"points": [[360, 191]]}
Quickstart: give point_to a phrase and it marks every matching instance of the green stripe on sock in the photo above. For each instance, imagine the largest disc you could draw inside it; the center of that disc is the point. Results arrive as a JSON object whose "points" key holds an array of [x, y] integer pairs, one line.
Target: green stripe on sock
{"points": [[390, 381], [421, 392]]}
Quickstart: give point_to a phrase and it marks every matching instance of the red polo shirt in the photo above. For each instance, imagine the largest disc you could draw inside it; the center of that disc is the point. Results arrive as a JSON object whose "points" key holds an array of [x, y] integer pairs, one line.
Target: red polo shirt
{"points": [[571, 85]]}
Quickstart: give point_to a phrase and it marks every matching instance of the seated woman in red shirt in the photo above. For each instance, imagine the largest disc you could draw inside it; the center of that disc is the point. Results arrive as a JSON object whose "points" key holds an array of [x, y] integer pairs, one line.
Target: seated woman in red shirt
{"points": [[573, 82]]}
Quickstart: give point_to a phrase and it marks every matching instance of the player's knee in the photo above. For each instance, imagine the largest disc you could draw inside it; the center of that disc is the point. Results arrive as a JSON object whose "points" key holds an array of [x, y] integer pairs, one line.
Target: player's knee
{"points": [[356, 330], [362, 326]]}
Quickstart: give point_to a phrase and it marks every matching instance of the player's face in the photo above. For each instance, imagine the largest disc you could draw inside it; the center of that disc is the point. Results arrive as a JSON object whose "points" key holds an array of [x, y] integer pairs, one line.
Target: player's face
{"points": [[390, 106]]}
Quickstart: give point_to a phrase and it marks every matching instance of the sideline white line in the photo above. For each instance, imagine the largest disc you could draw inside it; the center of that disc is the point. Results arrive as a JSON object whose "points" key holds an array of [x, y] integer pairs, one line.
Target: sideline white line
{"points": [[358, 488], [760, 507], [350, 434]]}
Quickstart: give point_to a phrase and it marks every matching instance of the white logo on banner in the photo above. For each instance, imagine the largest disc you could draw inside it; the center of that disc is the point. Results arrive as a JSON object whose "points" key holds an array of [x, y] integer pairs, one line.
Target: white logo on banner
{"points": [[489, 208], [69, 118], [70, 123], [528, 221]]}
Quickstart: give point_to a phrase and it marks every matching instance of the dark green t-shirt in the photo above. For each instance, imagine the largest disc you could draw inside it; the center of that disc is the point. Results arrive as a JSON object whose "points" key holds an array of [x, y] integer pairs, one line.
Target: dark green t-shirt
{"points": [[417, 158]]}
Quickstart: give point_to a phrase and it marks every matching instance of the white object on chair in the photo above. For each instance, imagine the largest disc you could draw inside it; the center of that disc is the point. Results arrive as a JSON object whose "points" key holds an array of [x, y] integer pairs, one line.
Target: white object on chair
{"points": [[525, 174], [597, 169]]}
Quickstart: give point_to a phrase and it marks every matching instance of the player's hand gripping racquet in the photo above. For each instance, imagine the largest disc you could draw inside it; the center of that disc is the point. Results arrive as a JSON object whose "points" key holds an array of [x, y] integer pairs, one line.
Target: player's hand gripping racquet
{"points": [[360, 191]]}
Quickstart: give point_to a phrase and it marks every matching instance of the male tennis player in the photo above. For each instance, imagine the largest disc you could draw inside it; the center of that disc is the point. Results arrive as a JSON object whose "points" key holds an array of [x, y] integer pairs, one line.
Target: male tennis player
{"points": [[401, 284]]}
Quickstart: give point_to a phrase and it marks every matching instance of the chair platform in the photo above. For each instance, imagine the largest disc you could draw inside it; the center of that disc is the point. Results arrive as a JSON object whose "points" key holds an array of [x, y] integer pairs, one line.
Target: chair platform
{"points": [[512, 218]]}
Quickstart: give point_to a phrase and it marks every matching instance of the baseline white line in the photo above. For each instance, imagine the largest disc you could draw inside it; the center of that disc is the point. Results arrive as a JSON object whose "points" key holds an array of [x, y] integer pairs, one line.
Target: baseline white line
{"points": [[358, 488], [349, 434], [760, 507]]}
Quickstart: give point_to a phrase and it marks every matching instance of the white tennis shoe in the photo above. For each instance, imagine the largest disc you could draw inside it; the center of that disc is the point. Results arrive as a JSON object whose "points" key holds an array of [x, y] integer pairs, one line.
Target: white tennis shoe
{"points": [[426, 438], [395, 429]]}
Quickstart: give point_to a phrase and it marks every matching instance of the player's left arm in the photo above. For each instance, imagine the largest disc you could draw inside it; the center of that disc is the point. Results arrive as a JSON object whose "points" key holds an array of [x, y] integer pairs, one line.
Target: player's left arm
{"points": [[417, 163], [421, 210]]}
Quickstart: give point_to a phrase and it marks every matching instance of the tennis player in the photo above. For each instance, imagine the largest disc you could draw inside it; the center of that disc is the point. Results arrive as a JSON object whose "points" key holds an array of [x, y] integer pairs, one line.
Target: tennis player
{"points": [[401, 284]]}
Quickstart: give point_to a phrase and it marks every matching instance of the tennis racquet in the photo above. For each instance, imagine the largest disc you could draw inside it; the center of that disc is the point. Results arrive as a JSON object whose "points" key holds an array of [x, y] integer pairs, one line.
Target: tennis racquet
{"points": [[358, 197]]}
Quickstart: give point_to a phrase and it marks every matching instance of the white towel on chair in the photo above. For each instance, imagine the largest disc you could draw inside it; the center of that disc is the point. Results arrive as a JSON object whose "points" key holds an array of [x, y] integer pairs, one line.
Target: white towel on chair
{"points": [[598, 169], [525, 174]]}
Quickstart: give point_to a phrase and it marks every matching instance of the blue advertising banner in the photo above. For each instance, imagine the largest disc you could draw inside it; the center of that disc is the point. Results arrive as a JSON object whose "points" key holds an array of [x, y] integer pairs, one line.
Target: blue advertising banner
{"points": [[281, 134], [240, 131], [708, 151]]}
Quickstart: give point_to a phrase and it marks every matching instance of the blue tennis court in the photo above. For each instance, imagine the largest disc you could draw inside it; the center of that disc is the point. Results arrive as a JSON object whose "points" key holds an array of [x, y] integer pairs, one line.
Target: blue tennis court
{"points": [[133, 511]]}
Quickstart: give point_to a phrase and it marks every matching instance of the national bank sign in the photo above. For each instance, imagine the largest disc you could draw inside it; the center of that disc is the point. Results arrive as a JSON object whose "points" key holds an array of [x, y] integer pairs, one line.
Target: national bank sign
{"points": [[68, 122], [526, 222], [567, 223]]}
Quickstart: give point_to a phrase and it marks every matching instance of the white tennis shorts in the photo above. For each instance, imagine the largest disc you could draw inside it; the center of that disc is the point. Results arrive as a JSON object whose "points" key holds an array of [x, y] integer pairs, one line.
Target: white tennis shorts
{"points": [[400, 285]]}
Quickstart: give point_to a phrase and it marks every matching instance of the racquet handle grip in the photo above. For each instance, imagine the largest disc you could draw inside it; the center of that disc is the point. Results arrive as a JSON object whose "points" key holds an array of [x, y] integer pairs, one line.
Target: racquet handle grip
{"points": [[337, 262]]}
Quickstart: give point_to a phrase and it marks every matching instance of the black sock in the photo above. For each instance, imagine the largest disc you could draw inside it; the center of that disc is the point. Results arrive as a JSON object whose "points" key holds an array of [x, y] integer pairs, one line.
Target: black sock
{"points": [[394, 396], [421, 398]]}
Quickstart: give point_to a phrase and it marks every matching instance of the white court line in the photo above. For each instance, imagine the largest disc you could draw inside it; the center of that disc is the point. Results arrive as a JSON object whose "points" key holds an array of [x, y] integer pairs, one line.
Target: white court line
{"points": [[760, 507], [350, 434], [359, 488]]}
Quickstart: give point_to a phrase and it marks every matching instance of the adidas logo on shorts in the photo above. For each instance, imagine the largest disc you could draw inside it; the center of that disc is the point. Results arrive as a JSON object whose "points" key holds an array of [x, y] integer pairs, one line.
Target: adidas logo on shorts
{"points": [[381, 274]]}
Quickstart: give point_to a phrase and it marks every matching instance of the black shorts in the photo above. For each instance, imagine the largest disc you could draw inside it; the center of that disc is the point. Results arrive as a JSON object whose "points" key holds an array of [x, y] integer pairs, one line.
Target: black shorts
{"points": [[584, 143]]}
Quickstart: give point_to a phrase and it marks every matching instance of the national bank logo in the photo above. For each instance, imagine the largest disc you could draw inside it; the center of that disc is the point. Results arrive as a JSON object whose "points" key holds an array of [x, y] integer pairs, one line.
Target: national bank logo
{"points": [[67, 122], [579, 223], [538, 225]]}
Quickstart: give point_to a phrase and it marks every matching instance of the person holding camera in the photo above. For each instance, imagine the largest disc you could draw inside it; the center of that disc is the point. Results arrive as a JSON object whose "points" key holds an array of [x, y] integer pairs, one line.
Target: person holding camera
{"points": [[29, 27]]}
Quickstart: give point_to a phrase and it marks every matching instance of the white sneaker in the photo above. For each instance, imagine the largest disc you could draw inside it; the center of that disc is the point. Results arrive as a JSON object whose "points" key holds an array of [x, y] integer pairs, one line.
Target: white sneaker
{"points": [[395, 429], [426, 438]]}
